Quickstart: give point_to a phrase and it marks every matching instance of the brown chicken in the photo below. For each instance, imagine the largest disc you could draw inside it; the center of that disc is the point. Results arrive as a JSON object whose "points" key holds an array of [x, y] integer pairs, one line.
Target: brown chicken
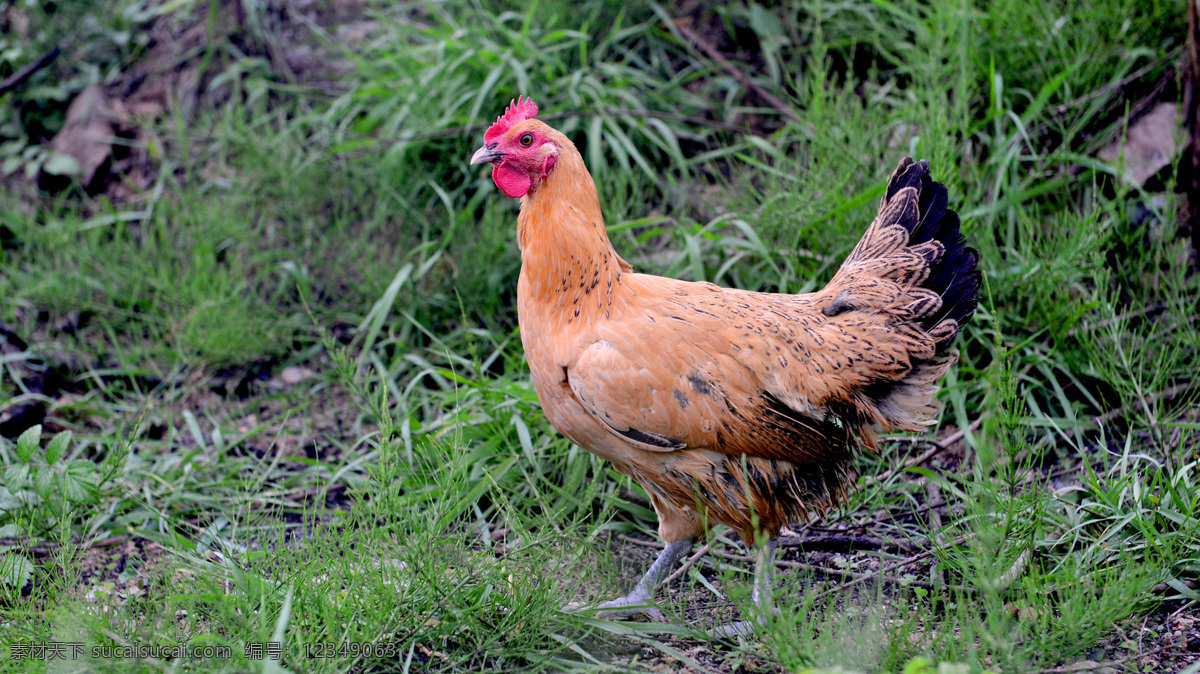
{"points": [[727, 406]]}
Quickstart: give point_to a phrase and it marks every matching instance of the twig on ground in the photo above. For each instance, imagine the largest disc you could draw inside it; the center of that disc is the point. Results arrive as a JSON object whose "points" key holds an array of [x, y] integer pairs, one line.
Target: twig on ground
{"points": [[688, 564], [1165, 394], [933, 495], [46, 548], [707, 549], [808, 526], [938, 446], [1179, 611], [1121, 83], [638, 541], [110, 541], [1088, 327], [1163, 588], [853, 578], [847, 542], [891, 515], [1090, 666], [1007, 578], [715, 54], [851, 575], [148, 659], [862, 578], [816, 542], [18, 78], [945, 443]]}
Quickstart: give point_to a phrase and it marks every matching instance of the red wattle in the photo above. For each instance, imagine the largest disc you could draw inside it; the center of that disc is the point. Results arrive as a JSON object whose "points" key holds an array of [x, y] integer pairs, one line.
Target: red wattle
{"points": [[511, 182]]}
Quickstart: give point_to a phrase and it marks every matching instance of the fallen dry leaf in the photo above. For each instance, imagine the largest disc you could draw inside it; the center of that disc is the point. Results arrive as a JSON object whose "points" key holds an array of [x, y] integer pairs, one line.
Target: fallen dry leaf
{"points": [[1150, 145], [85, 136]]}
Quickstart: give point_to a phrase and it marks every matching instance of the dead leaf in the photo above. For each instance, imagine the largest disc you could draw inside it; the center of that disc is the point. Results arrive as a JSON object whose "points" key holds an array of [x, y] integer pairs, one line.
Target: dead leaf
{"points": [[85, 136], [1150, 145]]}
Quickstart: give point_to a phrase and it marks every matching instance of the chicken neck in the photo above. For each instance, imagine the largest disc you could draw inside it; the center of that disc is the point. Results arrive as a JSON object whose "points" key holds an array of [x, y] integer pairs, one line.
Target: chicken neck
{"points": [[567, 260]]}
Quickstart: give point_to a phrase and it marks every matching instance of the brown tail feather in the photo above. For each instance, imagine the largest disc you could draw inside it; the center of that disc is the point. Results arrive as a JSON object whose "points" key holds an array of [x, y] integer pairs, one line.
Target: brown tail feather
{"points": [[914, 261]]}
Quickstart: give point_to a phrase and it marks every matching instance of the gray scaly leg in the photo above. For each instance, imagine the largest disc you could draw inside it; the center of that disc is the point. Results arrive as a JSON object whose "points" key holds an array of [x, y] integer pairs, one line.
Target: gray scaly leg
{"points": [[639, 600], [764, 605]]}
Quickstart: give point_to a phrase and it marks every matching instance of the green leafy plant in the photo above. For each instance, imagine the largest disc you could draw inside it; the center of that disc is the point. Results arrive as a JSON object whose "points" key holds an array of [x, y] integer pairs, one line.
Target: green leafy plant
{"points": [[44, 490]]}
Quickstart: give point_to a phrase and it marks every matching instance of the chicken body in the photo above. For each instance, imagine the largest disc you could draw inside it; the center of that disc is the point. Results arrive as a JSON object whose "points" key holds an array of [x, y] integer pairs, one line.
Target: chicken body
{"points": [[682, 386], [729, 406]]}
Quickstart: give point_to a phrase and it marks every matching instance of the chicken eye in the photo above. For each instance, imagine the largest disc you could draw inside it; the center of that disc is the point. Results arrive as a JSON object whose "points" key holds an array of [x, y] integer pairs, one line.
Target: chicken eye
{"points": [[526, 139]]}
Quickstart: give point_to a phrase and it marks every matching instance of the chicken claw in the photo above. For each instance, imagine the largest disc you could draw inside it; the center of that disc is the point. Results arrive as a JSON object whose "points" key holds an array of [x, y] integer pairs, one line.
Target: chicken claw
{"points": [[640, 600], [761, 596]]}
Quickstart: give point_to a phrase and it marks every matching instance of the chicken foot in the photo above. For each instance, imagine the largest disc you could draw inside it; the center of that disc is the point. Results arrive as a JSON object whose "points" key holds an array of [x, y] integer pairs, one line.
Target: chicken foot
{"points": [[761, 596], [639, 600]]}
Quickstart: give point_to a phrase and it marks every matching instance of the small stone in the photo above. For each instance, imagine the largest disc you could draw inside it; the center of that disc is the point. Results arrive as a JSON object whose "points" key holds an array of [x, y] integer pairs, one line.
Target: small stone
{"points": [[294, 374]]}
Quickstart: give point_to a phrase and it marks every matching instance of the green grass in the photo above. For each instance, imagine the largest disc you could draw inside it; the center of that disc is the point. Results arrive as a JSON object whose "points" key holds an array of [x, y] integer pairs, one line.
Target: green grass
{"points": [[410, 493]]}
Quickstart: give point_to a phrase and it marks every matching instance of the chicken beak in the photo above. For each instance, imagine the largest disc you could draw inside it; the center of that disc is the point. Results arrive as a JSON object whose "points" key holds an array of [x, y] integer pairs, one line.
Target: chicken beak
{"points": [[486, 154]]}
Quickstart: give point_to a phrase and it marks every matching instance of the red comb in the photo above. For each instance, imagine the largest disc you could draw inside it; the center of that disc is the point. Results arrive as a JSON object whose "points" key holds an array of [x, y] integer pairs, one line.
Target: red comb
{"points": [[518, 111]]}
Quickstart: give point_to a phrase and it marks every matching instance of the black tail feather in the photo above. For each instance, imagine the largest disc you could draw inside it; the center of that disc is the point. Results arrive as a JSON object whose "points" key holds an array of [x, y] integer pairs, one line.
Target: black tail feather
{"points": [[956, 276]]}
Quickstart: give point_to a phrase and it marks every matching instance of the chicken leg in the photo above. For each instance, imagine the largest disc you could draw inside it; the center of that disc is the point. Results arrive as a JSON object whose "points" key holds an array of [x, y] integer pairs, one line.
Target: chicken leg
{"points": [[761, 596], [638, 601]]}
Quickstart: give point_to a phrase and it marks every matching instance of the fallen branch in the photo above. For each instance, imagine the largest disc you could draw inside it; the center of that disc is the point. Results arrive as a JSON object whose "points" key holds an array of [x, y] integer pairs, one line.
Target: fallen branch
{"points": [[638, 541], [1163, 588], [46, 548], [18, 78], [1090, 327], [843, 542], [854, 577], [1173, 58], [1165, 394], [1107, 665], [879, 573], [938, 446], [1186, 607], [689, 563], [913, 512], [1143, 401], [714, 54], [1006, 580]]}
